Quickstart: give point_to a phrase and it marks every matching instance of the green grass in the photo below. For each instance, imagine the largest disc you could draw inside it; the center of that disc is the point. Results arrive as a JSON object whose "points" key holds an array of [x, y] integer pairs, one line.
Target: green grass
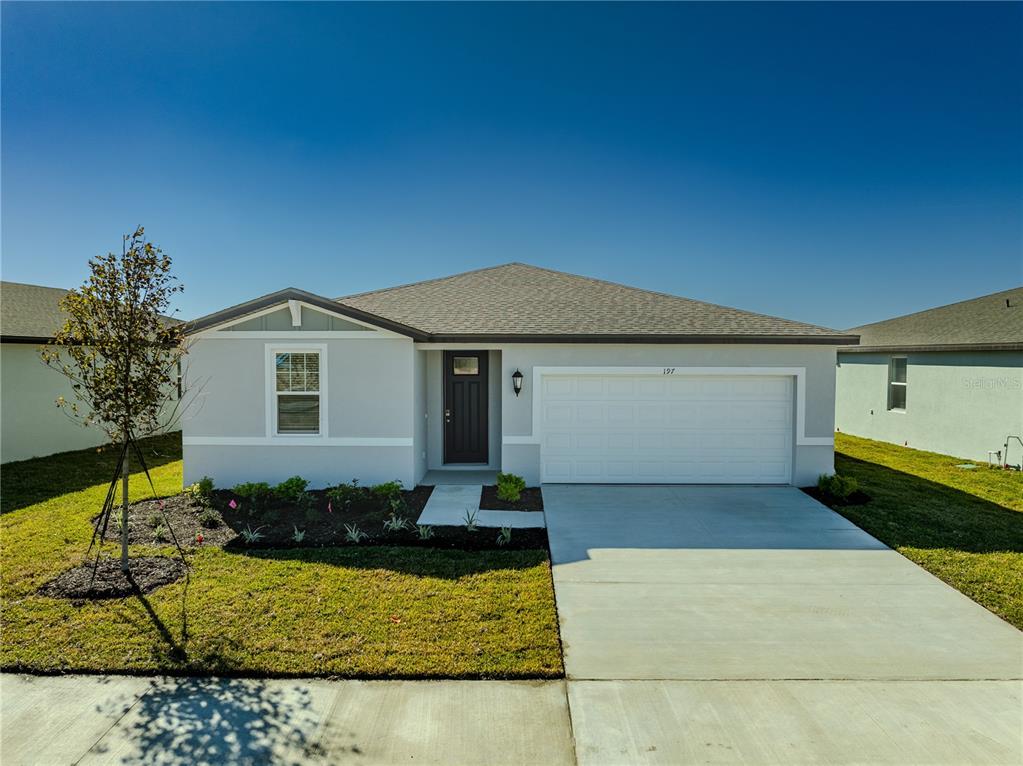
{"points": [[965, 527], [347, 612]]}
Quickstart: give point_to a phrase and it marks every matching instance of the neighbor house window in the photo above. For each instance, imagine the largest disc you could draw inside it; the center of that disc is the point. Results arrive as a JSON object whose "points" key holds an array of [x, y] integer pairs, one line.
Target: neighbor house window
{"points": [[297, 391], [897, 383]]}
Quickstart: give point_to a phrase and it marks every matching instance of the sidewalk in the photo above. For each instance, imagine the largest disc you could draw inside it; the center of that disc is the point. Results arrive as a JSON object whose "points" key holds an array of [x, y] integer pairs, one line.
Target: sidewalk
{"points": [[130, 720]]}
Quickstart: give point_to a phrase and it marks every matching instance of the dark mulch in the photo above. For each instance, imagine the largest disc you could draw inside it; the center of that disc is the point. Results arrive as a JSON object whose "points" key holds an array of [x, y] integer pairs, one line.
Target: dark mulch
{"points": [[530, 500], [323, 522], [859, 497], [106, 580]]}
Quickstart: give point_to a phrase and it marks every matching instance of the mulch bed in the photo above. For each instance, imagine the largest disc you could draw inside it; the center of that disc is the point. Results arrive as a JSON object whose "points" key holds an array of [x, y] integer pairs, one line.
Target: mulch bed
{"points": [[147, 573], [323, 523], [859, 497], [530, 500]]}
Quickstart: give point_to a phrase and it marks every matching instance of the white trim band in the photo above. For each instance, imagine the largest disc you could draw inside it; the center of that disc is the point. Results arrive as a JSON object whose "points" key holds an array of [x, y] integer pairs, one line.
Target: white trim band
{"points": [[296, 441]]}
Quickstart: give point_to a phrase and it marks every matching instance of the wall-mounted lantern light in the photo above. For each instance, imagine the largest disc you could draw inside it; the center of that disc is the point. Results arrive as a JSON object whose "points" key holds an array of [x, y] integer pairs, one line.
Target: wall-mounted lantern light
{"points": [[517, 382]]}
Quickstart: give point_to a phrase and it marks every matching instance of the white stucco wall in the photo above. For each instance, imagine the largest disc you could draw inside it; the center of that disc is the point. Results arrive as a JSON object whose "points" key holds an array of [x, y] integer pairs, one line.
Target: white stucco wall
{"points": [[960, 404], [369, 394], [31, 425]]}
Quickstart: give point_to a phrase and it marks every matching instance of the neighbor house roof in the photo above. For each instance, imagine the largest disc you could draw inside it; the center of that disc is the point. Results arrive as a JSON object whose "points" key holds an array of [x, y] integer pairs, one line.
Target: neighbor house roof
{"points": [[520, 303], [989, 323], [31, 313]]}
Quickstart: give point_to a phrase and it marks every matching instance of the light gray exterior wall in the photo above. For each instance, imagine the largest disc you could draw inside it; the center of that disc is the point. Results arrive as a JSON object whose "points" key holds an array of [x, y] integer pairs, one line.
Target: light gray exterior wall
{"points": [[957, 403], [419, 416], [809, 461], [369, 395], [31, 425]]}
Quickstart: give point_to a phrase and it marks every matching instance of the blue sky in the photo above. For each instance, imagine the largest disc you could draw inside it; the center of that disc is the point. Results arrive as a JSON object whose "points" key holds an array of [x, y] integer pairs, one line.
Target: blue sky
{"points": [[835, 163]]}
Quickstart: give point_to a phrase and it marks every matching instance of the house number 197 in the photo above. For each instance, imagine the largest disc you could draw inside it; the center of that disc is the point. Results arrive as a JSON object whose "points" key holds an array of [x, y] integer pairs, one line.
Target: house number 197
{"points": [[669, 370]]}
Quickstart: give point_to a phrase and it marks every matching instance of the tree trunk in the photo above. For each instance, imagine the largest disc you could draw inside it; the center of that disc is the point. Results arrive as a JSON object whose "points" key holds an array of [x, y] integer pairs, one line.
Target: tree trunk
{"points": [[124, 509]]}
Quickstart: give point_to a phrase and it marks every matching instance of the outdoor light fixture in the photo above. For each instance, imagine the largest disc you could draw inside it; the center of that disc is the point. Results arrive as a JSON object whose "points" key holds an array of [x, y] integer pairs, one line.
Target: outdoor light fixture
{"points": [[517, 382]]}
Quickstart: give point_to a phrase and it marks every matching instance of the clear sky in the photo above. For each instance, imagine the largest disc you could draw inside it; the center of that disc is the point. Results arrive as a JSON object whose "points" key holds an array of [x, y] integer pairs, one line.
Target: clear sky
{"points": [[834, 163]]}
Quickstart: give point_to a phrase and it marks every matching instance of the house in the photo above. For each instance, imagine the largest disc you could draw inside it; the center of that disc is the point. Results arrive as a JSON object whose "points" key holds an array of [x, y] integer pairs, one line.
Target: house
{"points": [[31, 424], [555, 377], [949, 379]]}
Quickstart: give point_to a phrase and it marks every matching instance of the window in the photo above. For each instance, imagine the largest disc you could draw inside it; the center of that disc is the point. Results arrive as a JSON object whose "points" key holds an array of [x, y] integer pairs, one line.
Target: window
{"points": [[297, 391], [897, 383], [465, 365]]}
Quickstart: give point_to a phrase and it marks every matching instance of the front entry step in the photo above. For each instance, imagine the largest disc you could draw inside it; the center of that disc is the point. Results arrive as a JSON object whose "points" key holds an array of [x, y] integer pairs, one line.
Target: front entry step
{"points": [[449, 504]]}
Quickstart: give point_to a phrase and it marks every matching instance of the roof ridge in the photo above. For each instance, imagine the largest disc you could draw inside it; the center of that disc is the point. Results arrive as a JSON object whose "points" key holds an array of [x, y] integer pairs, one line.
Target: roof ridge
{"points": [[428, 281], [934, 308]]}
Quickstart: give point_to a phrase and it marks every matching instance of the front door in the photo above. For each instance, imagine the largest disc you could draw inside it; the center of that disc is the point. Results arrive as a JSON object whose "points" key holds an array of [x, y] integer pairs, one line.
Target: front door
{"points": [[465, 407]]}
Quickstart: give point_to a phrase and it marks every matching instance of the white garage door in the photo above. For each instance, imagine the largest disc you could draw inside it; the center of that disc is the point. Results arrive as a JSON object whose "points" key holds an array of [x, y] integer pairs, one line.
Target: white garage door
{"points": [[666, 429]]}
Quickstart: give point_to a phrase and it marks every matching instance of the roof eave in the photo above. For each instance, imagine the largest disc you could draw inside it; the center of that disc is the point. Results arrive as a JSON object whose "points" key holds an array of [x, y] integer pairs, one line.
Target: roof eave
{"points": [[917, 348], [815, 340]]}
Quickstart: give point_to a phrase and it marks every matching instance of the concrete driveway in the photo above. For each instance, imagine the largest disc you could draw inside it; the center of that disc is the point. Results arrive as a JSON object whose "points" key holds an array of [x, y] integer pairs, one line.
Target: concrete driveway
{"points": [[754, 625]]}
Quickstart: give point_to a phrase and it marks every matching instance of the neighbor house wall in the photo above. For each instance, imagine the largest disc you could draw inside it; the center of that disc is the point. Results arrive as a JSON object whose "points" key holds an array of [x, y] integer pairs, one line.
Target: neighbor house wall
{"points": [[31, 424], [957, 403], [522, 456], [370, 413]]}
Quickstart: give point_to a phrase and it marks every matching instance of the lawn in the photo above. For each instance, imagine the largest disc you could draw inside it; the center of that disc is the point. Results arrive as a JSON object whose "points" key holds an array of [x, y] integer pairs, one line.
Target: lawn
{"points": [[965, 527], [380, 612]]}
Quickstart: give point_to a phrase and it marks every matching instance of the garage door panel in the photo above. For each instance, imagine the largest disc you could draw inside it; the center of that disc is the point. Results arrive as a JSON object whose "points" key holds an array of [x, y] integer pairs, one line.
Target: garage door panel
{"points": [[643, 428]]}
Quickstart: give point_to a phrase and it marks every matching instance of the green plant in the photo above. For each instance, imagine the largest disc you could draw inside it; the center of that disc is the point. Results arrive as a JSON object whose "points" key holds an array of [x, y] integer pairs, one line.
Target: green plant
{"points": [[202, 491], [351, 495], [160, 533], [298, 535], [154, 520], [209, 519], [353, 534], [395, 523], [504, 536], [311, 515], [470, 520], [509, 487], [251, 535], [292, 491], [387, 493], [258, 493], [425, 531], [837, 487]]}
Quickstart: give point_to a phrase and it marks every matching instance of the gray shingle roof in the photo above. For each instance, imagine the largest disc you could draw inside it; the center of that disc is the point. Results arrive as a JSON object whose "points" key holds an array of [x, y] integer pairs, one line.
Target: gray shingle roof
{"points": [[31, 313], [516, 300], [990, 322]]}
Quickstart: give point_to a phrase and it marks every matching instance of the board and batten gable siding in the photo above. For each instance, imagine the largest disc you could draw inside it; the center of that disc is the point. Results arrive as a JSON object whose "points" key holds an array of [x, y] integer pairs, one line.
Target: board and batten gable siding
{"points": [[369, 402], [957, 403], [521, 450]]}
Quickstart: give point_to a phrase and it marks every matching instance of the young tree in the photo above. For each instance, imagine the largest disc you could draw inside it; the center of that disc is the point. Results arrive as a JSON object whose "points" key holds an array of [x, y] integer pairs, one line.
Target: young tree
{"points": [[119, 351]]}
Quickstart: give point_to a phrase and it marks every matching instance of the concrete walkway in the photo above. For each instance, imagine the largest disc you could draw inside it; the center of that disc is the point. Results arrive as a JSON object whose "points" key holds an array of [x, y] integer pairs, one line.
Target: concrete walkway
{"points": [[129, 720], [754, 625], [450, 503]]}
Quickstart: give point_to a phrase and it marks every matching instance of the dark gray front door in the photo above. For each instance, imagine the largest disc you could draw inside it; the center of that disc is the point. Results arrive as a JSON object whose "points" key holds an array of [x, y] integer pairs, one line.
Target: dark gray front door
{"points": [[465, 407]]}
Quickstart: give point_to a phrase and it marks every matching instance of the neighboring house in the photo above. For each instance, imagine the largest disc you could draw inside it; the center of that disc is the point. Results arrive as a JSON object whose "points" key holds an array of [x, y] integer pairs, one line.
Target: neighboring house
{"points": [[618, 385], [947, 380], [31, 424]]}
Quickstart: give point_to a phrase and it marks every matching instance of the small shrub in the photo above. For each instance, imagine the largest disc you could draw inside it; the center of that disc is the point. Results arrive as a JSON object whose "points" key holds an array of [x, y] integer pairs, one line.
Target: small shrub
{"points": [[154, 520], [251, 535], [292, 491], [353, 534], [160, 533], [509, 487], [209, 519], [425, 531], [258, 493], [298, 535], [836, 487], [470, 520], [504, 536], [395, 523], [202, 491], [351, 495], [387, 493]]}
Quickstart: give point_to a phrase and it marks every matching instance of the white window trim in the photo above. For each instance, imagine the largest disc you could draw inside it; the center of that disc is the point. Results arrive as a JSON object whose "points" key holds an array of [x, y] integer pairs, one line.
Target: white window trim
{"points": [[272, 349], [890, 383]]}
